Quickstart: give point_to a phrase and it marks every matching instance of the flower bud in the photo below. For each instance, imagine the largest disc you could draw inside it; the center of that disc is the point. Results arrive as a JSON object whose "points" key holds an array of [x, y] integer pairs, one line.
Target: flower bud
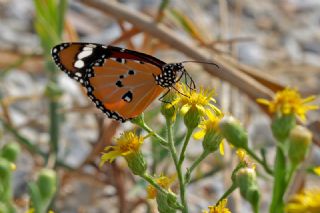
{"points": [[5, 180], [3, 207], [192, 118], [247, 183], [13, 166], [163, 205], [172, 200], [211, 141], [168, 110], [10, 152], [47, 183], [136, 163], [232, 130], [299, 143], [282, 125]]}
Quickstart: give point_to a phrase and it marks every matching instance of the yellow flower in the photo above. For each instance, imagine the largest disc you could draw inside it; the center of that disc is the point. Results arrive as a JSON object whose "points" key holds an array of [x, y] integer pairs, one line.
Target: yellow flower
{"points": [[289, 101], [212, 123], [317, 170], [210, 126], [307, 201], [201, 100], [127, 144], [163, 181], [220, 208]]}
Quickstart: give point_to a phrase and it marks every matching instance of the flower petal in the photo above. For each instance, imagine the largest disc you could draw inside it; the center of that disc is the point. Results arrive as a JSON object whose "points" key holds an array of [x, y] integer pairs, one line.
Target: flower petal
{"points": [[185, 109], [221, 148], [199, 135]]}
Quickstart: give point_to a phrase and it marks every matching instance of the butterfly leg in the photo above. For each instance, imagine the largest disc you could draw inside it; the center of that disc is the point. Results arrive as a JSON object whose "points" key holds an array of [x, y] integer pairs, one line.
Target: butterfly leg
{"points": [[180, 92], [166, 102], [192, 84], [164, 95], [186, 80], [178, 79]]}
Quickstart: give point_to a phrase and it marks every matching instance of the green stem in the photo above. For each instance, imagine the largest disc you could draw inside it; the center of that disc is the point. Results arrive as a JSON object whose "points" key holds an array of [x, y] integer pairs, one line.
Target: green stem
{"points": [[262, 162], [227, 193], [194, 165], [21, 139], [210, 173], [162, 141], [173, 152], [184, 147], [292, 169], [54, 116], [279, 182]]}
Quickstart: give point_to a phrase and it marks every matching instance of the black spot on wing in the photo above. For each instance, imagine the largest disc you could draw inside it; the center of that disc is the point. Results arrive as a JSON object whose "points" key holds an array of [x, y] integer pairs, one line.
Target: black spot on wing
{"points": [[119, 84], [127, 97], [131, 72]]}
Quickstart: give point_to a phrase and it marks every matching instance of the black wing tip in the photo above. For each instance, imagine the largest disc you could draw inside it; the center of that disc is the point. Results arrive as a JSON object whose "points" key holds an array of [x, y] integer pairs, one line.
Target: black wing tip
{"points": [[59, 47]]}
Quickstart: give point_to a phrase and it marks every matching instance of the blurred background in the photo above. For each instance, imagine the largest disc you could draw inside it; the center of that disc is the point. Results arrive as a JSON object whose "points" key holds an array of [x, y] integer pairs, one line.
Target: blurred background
{"points": [[264, 46]]}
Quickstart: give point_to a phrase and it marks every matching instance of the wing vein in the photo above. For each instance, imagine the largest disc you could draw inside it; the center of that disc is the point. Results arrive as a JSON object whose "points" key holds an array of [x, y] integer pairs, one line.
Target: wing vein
{"points": [[141, 99]]}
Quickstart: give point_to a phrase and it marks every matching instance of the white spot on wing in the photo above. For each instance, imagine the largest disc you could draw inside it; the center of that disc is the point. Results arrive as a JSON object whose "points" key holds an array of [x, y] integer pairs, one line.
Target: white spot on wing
{"points": [[127, 99], [79, 64], [91, 45], [84, 54]]}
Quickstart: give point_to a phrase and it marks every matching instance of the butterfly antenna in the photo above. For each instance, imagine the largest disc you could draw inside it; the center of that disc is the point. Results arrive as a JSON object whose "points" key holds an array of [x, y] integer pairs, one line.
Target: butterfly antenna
{"points": [[201, 62]]}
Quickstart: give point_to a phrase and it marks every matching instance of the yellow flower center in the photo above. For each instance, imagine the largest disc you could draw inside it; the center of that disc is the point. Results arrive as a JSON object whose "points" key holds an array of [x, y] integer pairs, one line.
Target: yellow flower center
{"points": [[128, 143]]}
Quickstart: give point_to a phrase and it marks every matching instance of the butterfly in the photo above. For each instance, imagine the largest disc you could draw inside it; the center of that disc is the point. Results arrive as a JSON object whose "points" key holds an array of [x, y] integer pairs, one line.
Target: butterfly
{"points": [[122, 83]]}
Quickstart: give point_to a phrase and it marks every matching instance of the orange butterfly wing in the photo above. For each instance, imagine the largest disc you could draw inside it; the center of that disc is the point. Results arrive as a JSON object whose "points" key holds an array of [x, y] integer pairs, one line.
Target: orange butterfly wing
{"points": [[124, 89]]}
